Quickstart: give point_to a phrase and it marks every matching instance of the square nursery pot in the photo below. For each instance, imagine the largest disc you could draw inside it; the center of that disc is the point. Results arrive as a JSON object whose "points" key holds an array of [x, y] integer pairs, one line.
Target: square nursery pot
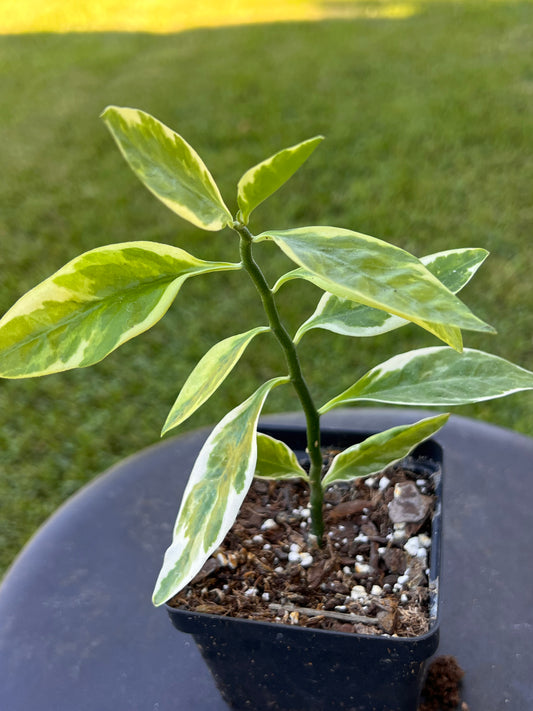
{"points": [[265, 665]]}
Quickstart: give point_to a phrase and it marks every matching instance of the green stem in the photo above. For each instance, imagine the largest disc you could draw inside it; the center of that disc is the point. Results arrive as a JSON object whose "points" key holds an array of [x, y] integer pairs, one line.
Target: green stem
{"points": [[295, 372]]}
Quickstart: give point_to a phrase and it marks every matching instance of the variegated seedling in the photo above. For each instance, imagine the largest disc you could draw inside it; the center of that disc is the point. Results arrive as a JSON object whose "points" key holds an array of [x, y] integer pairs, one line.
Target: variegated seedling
{"points": [[106, 296]]}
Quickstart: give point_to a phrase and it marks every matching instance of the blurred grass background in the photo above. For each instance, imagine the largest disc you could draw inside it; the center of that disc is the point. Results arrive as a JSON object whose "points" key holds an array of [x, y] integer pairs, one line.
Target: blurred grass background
{"points": [[427, 110]]}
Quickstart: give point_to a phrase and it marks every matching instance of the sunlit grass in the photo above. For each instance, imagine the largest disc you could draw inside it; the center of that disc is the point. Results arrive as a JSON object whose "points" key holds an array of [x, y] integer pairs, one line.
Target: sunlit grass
{"points": [[164, 16]]}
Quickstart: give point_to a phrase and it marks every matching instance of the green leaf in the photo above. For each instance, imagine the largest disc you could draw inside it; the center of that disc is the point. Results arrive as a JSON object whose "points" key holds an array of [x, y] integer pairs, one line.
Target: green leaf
{"points": [[92, 305], [168, 166], [258, 183], [217, 486], [372, 272], [437, 376], [454, 268], [208, 375], [381, 450], [276, 461]]}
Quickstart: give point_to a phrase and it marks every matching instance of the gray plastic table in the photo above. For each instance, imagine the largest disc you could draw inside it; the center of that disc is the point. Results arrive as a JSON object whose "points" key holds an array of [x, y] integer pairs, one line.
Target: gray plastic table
{"points": [[78, 631]]}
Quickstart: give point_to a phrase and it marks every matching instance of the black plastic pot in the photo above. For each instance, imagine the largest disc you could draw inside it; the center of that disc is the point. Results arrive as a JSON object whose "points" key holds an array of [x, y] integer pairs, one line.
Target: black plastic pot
{"points": [[259, 665]]}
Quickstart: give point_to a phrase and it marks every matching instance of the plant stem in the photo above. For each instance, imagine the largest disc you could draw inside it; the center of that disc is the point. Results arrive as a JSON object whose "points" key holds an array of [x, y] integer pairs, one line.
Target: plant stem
{"points": [[297, 379]]}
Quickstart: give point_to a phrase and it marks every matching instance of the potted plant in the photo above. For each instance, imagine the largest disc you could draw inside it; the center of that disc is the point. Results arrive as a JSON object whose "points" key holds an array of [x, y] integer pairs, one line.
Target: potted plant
{"points": [[110, 294]]}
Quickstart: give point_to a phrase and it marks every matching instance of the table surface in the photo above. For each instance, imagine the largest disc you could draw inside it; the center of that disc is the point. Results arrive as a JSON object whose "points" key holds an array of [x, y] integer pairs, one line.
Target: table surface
{"points": [[78, 631]]}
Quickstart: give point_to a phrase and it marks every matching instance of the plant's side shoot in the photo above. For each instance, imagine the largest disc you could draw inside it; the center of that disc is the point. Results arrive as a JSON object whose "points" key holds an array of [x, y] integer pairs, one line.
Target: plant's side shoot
{"points": [[368, 287]]}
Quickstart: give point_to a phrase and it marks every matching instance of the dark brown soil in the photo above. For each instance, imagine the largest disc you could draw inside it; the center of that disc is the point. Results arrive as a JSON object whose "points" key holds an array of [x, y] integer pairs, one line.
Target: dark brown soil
{"points": [[362, 580], [442, 688]]}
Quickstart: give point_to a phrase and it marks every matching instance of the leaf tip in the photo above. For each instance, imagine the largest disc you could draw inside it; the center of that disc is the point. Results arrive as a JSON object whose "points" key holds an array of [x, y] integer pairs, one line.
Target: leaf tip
{"points": [[110, 111], [156, 599]]}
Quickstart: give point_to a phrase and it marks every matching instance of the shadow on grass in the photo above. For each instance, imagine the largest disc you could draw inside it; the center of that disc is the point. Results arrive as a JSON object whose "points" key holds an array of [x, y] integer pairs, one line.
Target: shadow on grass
{"points": [[428, 121]]}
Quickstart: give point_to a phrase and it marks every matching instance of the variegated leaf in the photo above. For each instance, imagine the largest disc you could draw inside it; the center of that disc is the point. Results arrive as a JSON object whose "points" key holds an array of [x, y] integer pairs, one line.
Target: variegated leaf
{"points": [[258, 183], [454, 268], [208, 375], [372, 272], [276, 461], [290, 276], [217, 486], [381, 450], [169, 167], [437, 376], [92, 305]]}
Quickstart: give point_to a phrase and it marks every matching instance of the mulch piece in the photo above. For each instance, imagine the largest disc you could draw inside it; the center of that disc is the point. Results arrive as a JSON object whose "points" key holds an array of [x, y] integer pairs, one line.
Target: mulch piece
{"points": [[442, 687], [269, 567]]}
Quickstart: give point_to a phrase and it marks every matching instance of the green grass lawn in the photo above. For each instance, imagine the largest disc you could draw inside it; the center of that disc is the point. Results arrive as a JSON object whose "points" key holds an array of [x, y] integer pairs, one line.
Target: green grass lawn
{"points": [[429, 126]]}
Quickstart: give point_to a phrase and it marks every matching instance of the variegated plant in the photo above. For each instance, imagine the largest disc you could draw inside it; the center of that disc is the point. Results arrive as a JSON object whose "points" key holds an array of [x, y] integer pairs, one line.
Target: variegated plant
{"points": [[106, 296]]}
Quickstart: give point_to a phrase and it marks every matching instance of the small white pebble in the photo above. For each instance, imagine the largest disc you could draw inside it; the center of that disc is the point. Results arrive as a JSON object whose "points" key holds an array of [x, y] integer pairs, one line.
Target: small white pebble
{"points": [[387, 587], [422, 554], [345, 541], [225, 587], [306, 560], [296, 512], [303, 524], [382, 550], [251, 592], [364, 517], [397, 587], [294, 547], [257, 539], [412, 546], [384, 483], [370, 482], [306, 513], [359, 558], [222, 559], [268, 524], [376, 590], [363, 568], [424, 540], [347, 570], [404, 598], [267, 547], [265, 596], [360, 538], [399, 532], [340, 608], [294, 557], [279, 569], [358, 592], [342, 528], [402, 579]]}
